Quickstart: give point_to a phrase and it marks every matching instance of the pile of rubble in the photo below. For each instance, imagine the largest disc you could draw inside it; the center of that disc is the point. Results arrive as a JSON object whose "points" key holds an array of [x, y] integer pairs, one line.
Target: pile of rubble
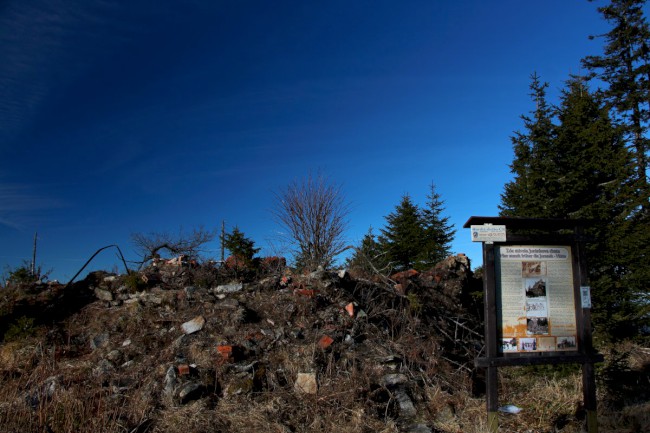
{"points": [[178, 345]]}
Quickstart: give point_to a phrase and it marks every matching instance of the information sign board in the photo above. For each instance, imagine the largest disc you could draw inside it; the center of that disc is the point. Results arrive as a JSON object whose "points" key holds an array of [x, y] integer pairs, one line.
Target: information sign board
{"points": [[535, 298]]}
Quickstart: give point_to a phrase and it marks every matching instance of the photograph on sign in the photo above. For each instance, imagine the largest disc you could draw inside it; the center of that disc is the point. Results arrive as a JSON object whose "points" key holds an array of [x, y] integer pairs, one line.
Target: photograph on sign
{"points": [[546, 344], [533, 269], [508, 344], [528, 344], [566, 343], [536, 303]]}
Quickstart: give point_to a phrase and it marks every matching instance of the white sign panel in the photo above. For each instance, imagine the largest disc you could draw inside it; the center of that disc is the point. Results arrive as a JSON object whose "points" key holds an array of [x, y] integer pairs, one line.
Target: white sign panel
{"points": [[536, 298], [585, 295], [488, 233]]}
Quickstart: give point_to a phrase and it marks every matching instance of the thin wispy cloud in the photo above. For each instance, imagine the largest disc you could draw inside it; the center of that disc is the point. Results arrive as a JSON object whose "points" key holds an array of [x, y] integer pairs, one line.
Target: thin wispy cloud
{"points": [[20, 206], [44, 46]]}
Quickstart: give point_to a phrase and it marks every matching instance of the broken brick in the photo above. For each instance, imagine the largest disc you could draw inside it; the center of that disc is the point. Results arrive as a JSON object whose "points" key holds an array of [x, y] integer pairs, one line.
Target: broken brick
{"points": [[310, 293], [325, 342], [183, 370], [404, 275], [226, 352]]}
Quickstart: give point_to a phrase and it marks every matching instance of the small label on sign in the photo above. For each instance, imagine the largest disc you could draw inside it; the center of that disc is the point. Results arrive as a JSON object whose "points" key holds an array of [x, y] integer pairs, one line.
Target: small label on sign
{"points": [[488, 233], [585, 295]]}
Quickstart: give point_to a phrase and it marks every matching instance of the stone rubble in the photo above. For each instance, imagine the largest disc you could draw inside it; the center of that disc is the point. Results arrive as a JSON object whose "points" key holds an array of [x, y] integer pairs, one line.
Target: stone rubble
{"points": [[295, 333]]}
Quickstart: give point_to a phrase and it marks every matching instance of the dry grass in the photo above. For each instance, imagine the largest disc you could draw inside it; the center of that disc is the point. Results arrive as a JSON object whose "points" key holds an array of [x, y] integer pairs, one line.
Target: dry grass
{"points": [[56, 382]]}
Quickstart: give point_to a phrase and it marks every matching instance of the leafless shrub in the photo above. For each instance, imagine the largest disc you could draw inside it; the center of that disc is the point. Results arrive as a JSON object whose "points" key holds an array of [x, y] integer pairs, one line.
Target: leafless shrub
{"points": [[148, 246], [314, 213]]}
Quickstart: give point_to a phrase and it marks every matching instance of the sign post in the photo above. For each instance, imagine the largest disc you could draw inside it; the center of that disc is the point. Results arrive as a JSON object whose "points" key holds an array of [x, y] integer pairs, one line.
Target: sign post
{"points": [[536, 301]]}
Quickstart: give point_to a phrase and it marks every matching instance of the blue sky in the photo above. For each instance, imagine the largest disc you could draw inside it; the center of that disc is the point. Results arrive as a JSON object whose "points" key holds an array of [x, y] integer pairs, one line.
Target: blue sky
{"points": [[120, 117]]}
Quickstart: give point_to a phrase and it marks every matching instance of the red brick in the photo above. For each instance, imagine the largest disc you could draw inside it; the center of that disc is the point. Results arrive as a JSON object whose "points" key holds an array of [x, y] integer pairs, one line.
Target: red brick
{"points": [[325, 342], [404, 275], [225, 351], [350, 309]]}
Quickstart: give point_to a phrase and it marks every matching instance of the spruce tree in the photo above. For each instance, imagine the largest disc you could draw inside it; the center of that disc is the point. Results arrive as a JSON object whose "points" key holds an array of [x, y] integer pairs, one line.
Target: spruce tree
{"points": [[240, 246], [594, 185], [584, 171], [369, 256], [530, 194], [437, 231], [591, 159], [625, 68], [402, 238]]}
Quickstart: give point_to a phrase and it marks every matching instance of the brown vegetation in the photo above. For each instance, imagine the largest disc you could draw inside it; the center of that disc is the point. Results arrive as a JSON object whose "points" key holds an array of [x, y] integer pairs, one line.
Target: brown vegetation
{"points": [[119, 356]]}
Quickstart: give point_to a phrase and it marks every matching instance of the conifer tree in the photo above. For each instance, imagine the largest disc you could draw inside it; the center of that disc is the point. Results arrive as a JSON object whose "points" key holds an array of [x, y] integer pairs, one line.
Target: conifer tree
{"points": [[584, 172], [529, 193], [438, 232], [625, 68], [595, 185], [240, 246], [369, 256], [591, 159], [402, 238]]}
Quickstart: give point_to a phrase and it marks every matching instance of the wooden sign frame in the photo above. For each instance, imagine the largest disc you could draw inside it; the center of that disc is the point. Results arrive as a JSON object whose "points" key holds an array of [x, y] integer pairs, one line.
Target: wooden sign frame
{"points": [[550, 237]]}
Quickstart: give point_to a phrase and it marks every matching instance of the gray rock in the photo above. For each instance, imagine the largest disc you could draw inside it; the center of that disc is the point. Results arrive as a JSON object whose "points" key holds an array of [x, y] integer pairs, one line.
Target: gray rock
{"points": [[269, 282], [176, 344], [406, 407], [228, 288], [228, 304], [44, 393], [193, 325], [115, 356], [104, 366], [445, 416], [170, 380], [418, 428], [191, 292], [152, 299], [50, 385], [103, 294], [99, 341], [394, 379], [190, 391]]}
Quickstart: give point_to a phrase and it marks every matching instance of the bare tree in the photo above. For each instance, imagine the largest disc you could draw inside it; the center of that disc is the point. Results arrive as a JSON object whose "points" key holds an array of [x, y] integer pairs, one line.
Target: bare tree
{"points": [[313, 212], [189, 244]]}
